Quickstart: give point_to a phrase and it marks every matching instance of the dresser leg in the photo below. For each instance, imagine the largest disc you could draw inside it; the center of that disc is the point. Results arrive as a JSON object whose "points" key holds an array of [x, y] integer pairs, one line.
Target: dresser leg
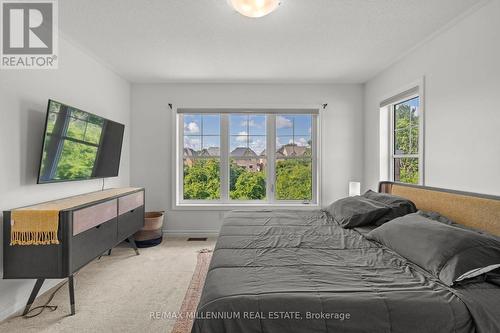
{"points": [[131, 241], [71, 294], [34, 292]]}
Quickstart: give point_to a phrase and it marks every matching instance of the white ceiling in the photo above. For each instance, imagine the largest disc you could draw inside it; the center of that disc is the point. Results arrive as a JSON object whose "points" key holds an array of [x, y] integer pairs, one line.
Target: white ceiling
{"points": [[340, 41]]}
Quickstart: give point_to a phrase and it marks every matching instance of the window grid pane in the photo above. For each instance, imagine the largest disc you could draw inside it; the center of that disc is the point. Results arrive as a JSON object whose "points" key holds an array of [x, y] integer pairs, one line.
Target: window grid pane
{"points": [[248, 164], [406, 127], [406, 170], [294, 167], [201, 157], [201, 179], [247, 179], [294, 179]]}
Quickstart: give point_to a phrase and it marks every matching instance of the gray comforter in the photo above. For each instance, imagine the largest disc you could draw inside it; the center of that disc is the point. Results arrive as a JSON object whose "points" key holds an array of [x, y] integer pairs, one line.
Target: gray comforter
{"points": [[298, 271]]}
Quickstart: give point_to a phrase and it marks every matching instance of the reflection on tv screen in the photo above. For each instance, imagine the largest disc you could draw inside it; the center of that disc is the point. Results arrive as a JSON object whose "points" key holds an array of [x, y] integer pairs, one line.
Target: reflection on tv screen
{"points": [[79, 145]]}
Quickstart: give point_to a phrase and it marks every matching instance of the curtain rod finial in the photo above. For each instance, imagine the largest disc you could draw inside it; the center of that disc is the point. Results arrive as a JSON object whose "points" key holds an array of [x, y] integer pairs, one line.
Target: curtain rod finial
{"points": [[170, 106], [325, 105]]}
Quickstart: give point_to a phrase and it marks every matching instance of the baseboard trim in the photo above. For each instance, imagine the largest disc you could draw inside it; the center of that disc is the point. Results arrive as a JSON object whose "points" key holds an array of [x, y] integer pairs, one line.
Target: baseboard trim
{"points": [[15, 308], [191, 233]]}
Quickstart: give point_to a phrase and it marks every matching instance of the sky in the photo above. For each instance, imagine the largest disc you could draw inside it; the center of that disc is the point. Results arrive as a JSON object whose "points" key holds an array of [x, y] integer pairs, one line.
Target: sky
{"points": [[414, 104], [245, 131]]}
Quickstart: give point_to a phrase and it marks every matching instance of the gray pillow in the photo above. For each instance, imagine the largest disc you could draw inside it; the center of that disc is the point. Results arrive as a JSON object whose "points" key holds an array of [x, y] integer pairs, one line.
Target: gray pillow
{"points": [[388, 199], [449, 253], [436, 217], [356, 211], [399, 206], [443, 219]]}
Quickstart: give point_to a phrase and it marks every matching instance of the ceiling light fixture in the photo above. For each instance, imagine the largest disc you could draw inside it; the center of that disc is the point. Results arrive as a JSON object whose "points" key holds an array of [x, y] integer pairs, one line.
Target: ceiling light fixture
{"points": [[254, 8]]}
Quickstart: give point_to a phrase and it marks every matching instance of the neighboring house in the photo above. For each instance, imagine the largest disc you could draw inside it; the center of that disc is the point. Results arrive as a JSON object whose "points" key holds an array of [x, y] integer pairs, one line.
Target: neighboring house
{"points": [[213, 151], [263, 160], [210, 152], [246, 158], [293, 150], [189, 155], [243, 152]]}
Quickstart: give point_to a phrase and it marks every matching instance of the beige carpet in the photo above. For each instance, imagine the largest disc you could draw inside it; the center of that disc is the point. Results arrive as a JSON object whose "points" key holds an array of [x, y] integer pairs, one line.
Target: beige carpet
{"points": [[119, 293]]}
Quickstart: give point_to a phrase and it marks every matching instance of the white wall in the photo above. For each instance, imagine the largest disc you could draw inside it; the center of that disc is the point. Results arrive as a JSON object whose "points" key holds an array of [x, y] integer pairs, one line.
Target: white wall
{"points": [[151, 147], [80, 81], [462, 115]]}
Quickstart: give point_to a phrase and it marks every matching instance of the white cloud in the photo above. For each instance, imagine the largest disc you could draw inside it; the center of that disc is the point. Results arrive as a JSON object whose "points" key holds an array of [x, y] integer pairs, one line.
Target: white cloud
{"points": [[282, 141], [191, 128], [242, 137], [282, 122], [250, 123], [257, 145], [302, 142], [193, 143]]}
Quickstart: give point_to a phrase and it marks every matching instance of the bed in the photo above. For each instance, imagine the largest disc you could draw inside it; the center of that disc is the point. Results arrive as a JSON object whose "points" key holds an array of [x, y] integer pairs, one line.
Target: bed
{"points": [[298, 271]]}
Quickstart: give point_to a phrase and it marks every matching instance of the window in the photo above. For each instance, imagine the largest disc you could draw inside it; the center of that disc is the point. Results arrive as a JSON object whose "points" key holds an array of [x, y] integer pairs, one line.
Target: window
{"points": [[294, 167], [247, 158], [406, 141], [248, 163]]}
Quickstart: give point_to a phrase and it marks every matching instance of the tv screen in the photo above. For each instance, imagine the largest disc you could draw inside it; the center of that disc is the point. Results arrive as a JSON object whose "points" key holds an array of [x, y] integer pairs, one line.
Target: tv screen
{"points": [[78, 145]]}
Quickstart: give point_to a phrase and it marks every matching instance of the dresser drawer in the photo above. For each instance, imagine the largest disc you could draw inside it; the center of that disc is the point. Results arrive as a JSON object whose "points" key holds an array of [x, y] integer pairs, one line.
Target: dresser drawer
{"points": [[87, 218], [91, 243], [130, 222], [130, 202]]}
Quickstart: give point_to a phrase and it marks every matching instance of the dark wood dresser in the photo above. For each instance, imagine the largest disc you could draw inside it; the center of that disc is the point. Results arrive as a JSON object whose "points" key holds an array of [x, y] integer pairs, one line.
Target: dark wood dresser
{"points": [[85, 232]]}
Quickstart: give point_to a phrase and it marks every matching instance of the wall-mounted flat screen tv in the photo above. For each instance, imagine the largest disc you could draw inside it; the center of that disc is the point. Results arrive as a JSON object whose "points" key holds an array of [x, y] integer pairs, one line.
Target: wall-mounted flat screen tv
{"points": [[78, 145]]}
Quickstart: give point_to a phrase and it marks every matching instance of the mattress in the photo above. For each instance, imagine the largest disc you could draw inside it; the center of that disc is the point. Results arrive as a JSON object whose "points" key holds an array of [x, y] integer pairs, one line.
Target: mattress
{"points": [[298, 271]]}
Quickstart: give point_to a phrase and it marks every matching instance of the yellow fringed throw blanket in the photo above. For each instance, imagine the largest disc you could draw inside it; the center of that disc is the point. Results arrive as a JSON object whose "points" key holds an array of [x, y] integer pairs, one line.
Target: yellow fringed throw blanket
{"points": [[38, 224], [34, 227]]}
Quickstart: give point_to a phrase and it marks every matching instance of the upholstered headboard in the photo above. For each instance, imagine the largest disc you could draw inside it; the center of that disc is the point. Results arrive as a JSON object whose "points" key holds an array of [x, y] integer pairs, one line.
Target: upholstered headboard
{"points": [[474, 210]]}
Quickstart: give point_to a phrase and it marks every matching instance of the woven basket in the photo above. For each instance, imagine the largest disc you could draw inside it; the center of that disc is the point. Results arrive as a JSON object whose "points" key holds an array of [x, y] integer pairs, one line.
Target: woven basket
{"points": [[153, 223]]}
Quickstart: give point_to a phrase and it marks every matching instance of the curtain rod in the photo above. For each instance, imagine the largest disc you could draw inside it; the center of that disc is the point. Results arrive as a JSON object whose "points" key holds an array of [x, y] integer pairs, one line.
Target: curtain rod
{"points": [[325, 105]]}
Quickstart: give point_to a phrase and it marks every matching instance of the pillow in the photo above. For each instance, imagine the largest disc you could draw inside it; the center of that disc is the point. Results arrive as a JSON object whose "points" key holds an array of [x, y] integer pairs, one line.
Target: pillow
{"points": [[435, 217], [443, 219], [398, 206], [356, 211], [493, 277], [447, 252], [387, 198]]}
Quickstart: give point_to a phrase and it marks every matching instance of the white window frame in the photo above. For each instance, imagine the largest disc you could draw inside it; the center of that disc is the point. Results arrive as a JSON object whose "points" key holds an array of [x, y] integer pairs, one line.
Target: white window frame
{"points": [[420, 155], [225, 203]]}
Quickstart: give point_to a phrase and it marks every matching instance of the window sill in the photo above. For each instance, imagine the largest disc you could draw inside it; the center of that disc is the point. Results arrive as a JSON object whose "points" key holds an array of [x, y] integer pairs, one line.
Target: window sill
{"points": [[228, 207]]}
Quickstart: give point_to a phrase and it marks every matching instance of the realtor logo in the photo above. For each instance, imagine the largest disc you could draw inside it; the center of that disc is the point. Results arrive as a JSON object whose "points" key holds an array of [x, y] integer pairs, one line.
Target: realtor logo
{"points": [[29, 34]]}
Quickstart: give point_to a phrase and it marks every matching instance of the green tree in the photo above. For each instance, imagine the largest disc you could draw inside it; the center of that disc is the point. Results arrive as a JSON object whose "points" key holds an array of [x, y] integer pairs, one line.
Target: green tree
{"points": [[77, 158], [406, 142], [234, 173], [294, 179], [202, 180], [250, 186], [408, 170], [77, 161]]}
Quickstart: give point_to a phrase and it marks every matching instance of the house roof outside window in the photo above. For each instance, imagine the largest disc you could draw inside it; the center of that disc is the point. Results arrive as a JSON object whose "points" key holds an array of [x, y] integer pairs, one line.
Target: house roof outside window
{"points": [[243, 152]]}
